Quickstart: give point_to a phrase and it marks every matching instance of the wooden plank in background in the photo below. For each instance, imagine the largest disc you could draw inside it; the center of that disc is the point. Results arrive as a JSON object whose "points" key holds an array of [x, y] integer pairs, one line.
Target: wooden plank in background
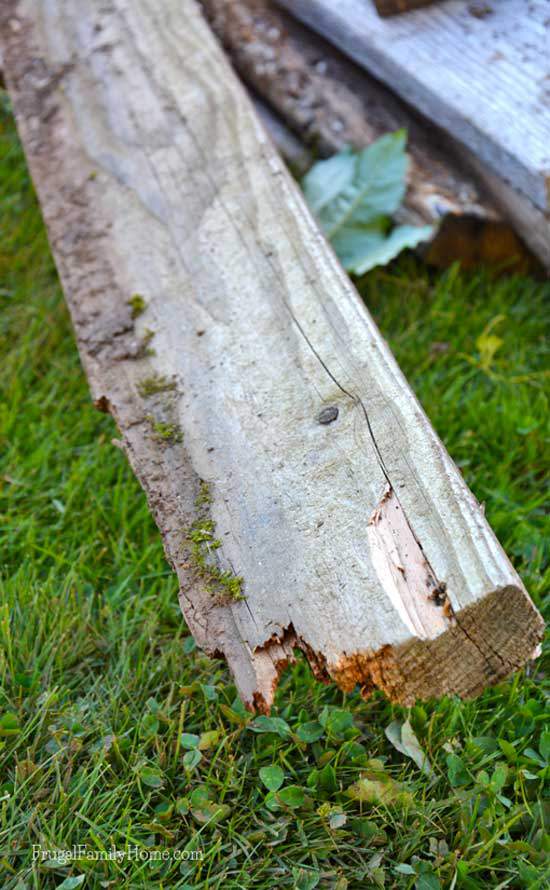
{"points": [[330, 102], [259, 406], [481, 72]]}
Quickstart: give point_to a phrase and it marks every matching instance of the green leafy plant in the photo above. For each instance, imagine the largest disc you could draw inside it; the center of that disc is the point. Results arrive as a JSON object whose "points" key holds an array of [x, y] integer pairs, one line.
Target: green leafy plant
{"points": [[354, 195]]}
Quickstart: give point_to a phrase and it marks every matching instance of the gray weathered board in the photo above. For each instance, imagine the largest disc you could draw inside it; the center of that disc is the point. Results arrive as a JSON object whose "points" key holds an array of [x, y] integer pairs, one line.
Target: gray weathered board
{"points": [[481, 71], [357, 539]]}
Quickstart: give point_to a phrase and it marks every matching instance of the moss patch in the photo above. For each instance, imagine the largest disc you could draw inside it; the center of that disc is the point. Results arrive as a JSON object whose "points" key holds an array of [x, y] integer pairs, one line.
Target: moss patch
{"points": [[201, 537], [144, 349], [137, 305], [156, 383], [204, 496], [166, 432]]}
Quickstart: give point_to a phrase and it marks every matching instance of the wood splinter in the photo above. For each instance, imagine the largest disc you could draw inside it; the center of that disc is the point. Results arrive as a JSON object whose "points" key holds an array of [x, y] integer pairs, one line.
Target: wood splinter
{"points": [[155, 178]]}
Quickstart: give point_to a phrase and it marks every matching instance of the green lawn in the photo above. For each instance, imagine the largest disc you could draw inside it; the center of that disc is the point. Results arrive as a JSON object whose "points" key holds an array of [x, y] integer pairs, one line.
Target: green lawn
{"points": [[116, 732]]}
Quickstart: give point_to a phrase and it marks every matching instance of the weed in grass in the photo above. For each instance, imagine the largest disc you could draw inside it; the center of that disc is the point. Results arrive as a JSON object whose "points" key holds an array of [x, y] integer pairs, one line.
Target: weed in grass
{"points": [[116, 730]]}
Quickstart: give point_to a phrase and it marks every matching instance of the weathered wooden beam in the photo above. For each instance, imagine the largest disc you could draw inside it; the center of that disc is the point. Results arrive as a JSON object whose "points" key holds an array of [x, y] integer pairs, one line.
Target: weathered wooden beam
{"points": [[260, 408], [330, 103], [480, 75]]}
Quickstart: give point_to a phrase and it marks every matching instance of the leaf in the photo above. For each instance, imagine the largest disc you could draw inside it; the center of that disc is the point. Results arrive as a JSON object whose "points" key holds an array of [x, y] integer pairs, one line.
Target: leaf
{"points": [[149, 726], [191, 759], [456, 771], [189, 740], [404, 869], [533, 755], [337, 820], [153, 705], [272, 777], [232, 715], [508, 750], [208, 812], [370, 832], [371, 252], [292, 796], [354, 194], [189, 645], [354, 243], [271, 801], [487, 744], [544, 746], [305, 879], [355, 188], [208, 739], [182, 806], [327, 179], [327, 779], [151, 777], [427, 881], [310, 732], [488, 344], [164, 810], [199, 795], [499, 777], [402, 737], [381, 790], [338, 721], [271, 724], [9, 724], [71, 883]]}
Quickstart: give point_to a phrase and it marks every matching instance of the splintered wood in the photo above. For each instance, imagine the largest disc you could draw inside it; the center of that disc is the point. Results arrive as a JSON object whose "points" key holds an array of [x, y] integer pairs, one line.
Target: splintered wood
{"points": [[304, 500]]}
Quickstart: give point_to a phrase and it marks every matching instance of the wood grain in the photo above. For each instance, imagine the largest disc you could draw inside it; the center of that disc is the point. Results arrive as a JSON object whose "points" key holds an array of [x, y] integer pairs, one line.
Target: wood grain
{"points": [[479, 71], [357, 539]]}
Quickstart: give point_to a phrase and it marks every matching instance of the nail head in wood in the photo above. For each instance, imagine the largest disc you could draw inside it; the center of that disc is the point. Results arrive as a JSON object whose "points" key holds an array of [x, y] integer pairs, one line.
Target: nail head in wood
{"points": [[328, 415]]}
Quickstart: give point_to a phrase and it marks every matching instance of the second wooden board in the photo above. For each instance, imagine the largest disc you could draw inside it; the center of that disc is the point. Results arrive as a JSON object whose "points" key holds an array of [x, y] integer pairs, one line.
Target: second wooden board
{"points": [[480, 71]]}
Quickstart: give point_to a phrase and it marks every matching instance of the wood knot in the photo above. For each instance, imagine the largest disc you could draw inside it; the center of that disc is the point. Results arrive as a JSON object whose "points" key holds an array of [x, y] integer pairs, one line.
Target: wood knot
{"points": [[328, 415]]}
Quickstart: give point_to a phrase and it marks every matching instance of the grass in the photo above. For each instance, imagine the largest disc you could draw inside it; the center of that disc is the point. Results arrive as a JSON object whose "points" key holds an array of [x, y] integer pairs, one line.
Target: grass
{"points": [[116, 731]]}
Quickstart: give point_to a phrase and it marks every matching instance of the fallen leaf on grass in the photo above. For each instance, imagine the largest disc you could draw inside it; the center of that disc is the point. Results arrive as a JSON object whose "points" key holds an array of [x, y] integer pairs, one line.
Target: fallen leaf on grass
{"points": [[403, 738]]}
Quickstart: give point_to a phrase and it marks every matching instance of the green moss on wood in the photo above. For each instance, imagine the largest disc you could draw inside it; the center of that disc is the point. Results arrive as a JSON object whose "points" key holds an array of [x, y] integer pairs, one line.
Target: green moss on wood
{"points": [[137, 305], [165, 432], [204, 496], [201, 537], [144, 349], [156, 383]]}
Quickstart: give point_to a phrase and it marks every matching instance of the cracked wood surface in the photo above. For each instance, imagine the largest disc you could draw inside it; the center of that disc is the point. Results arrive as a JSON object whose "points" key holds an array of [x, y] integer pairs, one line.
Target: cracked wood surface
{"points": [[293, 431]]}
